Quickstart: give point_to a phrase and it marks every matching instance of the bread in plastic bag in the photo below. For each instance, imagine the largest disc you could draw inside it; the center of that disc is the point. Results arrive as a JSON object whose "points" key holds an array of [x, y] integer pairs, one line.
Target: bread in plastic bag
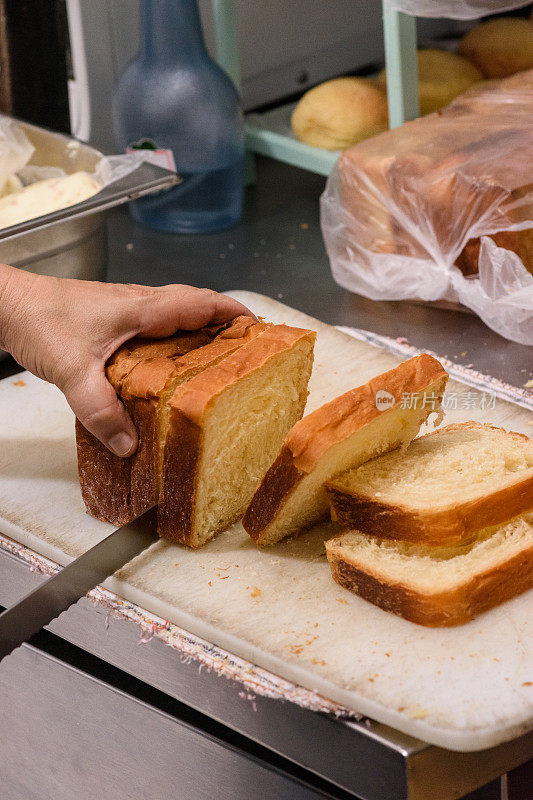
{"points": [[441, 208], [453, 9]]}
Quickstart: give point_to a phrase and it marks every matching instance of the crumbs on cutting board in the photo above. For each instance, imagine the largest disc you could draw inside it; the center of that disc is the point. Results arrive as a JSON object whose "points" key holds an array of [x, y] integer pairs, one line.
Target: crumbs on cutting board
{"points": [[255, 592], [418, 713], [297, 649], [19, 383]]}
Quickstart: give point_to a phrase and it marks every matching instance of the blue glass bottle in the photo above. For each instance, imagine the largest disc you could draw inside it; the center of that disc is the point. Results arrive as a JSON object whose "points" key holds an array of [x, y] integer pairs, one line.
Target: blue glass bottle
{"points": [[174, 96]]}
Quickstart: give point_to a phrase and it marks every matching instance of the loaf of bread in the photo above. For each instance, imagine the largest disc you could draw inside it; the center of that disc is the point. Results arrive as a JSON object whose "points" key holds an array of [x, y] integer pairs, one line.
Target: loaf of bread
{"points": [[437, 586], [431, 187], [355, 427], [143, 373], [442, 489], [211, 408], [223, 430]]}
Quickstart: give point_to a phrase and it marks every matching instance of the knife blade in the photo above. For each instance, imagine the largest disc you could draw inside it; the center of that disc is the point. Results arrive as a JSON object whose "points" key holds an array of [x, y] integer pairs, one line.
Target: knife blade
{"points": [[42, 605]]}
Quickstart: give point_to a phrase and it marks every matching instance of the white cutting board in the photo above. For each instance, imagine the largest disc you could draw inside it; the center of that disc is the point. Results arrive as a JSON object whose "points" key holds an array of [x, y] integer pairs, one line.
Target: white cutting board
{"points": [[464, 688]]}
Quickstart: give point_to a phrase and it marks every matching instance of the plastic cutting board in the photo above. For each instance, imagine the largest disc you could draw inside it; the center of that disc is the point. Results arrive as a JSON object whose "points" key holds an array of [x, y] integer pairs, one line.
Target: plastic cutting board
{"points": [[464, 688]]}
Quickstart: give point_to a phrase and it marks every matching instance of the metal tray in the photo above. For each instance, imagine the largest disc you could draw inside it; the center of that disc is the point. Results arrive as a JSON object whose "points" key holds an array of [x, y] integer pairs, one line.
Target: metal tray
{"points": [[72, 243]]}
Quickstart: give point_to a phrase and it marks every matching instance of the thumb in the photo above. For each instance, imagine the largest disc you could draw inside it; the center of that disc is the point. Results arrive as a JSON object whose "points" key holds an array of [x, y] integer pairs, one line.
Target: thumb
{"points": [[96, 405]]}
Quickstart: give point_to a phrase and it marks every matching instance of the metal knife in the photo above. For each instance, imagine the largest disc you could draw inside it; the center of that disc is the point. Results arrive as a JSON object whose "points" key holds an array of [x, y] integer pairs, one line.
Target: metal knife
{"points": [[37, 609]]}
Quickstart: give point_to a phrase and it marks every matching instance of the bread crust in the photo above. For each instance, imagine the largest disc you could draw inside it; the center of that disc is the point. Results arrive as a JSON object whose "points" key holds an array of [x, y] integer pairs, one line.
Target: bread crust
{"points": [[439, 609], [333, 422], [178, 490], [280, 481], [189, 407], [117, 490], [445, 525]]}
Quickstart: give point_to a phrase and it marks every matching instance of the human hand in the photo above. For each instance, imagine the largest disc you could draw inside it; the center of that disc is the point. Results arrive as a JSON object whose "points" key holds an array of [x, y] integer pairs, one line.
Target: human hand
{"points": [[64, 331]]}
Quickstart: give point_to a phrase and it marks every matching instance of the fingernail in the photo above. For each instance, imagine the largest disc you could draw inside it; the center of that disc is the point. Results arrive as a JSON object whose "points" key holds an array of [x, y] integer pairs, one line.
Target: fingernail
{"points": [[121, 444]]}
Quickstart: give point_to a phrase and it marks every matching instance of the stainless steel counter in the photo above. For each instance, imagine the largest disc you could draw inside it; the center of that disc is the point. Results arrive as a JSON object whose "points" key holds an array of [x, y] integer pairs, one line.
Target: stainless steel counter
{"points": [[156, 727]]}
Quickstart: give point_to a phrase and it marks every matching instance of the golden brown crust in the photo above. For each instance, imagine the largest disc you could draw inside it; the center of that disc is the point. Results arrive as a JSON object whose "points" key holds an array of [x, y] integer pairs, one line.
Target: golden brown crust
{"points": [[115, 489], [444, 525], [334, 422], [194, 398], [439, 609], [119, 489], [280, 481], [177, 493], [188, 408]]}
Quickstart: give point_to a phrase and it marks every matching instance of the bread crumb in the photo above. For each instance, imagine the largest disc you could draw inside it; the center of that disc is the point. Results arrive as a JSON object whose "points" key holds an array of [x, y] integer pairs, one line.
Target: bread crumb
{"points": [[527, 683], [341, 600], [297, 649], [19, 383], [304, 226], [319, 661], [418, 713], [256, 592]]}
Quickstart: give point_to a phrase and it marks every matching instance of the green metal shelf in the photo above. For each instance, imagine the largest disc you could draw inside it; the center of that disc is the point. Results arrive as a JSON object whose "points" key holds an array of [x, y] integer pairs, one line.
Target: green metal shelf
{"points": [[264, 133]]}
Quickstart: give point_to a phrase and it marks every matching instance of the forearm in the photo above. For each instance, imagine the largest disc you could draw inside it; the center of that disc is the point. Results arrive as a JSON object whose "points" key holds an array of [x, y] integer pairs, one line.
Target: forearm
{"points": [[16, 286]]}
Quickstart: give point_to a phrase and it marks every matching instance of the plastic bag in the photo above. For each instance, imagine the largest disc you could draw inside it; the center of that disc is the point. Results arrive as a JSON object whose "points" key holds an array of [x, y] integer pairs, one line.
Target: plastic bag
{"points": [[408, 214], [17, 172], [15, 150], [453, 9]]}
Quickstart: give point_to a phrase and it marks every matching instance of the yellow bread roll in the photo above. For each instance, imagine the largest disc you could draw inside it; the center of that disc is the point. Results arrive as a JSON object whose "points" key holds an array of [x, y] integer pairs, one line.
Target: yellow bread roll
{"points": [[339, 113], [441, 77], [500, 47]]}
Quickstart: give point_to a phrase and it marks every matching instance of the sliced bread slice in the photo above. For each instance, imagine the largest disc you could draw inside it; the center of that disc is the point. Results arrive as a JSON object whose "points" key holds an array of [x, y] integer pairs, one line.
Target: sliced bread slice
{"points": [[442, 488], [224, 428], [144, 373], [437, 586], [355, 427]]}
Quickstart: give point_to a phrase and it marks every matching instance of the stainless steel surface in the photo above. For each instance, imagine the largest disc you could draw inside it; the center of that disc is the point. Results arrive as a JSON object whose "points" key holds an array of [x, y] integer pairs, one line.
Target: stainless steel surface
{"points": [[101, 742], [377, 763], [43, 604]]}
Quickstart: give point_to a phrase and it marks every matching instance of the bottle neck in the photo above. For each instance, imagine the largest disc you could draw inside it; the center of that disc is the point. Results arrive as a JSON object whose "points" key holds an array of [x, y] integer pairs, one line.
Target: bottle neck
{"points": [[171, 31]]}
